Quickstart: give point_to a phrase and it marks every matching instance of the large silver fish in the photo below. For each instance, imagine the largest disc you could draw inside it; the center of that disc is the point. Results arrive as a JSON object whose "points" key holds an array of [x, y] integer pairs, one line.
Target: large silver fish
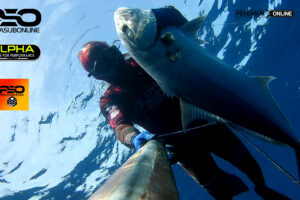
{"points": [[182, 68]]}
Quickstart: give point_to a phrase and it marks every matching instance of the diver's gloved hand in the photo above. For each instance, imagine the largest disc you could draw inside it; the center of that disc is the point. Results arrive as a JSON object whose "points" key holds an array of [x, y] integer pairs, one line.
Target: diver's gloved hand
{"points": [[140, 139]]}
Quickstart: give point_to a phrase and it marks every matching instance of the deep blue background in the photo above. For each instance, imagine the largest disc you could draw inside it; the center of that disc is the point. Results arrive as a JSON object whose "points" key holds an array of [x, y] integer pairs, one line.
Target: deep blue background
{"points": [[277, 55]]}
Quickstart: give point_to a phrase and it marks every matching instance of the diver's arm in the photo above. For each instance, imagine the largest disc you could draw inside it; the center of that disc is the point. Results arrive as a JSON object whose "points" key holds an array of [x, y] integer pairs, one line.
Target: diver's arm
{"points": [[123, 128], [124, 133]]}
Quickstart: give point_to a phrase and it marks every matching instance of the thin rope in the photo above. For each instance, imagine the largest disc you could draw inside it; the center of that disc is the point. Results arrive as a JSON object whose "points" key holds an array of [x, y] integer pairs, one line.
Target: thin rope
{"points": [[243, 137], [184, 131], [265, 155]]}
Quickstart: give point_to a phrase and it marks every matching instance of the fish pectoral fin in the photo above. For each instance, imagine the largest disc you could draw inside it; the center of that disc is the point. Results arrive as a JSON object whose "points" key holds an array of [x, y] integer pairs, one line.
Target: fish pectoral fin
{"points": [[264, 80], [191, 114], [191, 27]]}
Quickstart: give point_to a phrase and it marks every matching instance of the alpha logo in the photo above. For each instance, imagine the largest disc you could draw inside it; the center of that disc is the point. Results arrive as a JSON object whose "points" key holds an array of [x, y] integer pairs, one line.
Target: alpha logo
{"points": [[15, 17], [14, 94], [19, 52]]}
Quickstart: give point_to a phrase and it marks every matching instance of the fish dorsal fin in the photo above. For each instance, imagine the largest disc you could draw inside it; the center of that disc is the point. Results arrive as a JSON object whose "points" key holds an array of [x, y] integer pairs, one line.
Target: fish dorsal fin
{"points": [[191, 114], [264, 80], [191, 27]]}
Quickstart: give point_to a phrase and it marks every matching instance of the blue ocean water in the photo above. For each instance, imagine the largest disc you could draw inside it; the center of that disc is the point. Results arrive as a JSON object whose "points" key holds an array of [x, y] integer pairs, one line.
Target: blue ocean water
{"points": [[277, 55], [82, 137]]}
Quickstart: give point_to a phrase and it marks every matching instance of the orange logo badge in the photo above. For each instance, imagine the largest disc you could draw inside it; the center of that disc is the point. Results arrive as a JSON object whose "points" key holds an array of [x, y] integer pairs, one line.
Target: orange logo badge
{"points": [[14, 94]]}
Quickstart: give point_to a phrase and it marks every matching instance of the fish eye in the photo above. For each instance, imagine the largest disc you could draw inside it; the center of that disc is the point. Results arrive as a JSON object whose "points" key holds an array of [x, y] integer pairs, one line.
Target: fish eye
{"points": [[125, 28]]}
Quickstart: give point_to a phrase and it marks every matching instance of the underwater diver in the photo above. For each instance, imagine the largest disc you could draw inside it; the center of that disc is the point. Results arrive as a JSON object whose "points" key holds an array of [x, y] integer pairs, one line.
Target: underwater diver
{"points": [[133, 97]]}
